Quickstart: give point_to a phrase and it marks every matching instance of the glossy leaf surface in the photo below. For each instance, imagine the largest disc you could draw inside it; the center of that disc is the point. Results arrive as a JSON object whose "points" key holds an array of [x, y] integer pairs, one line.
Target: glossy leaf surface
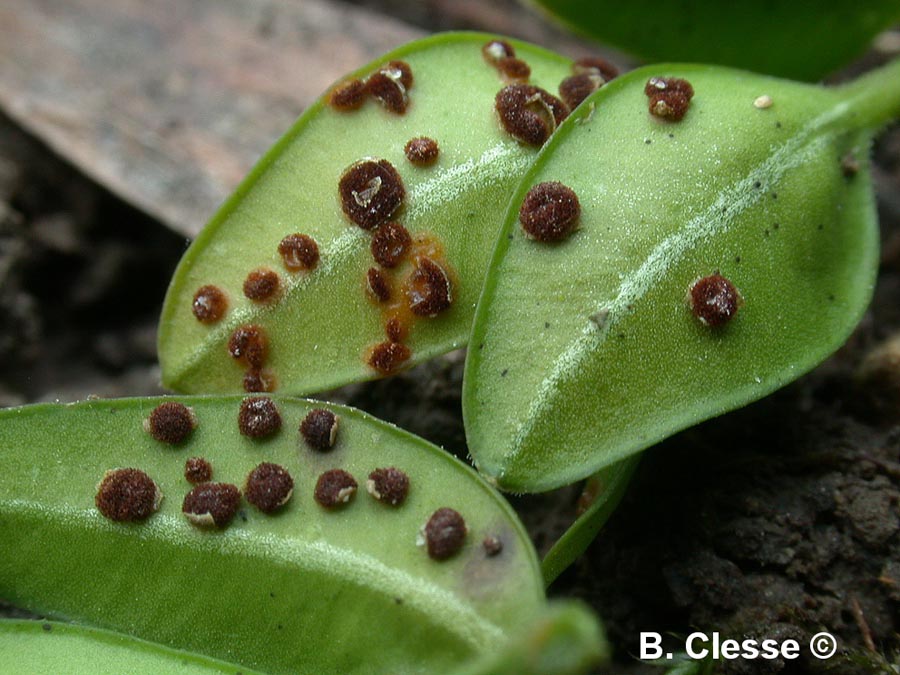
{"points": [[305, 590], [759, 36], [777, 199], [38, 647], [323, 324]]}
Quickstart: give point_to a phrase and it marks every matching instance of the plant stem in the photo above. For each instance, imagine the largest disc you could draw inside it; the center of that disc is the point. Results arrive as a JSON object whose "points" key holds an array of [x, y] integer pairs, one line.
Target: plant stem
{"points": [[875, 97]]}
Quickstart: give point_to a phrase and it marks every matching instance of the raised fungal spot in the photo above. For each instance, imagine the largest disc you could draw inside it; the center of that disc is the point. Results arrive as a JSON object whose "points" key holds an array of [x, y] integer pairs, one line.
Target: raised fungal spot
{"points": [[399, 71], [493, 546], [335, 488], [261, 285], [210, 304], [378, 285], [594, 64], [390, 244], [763, 102], [319, 429], [445, 533], [197, 470], [371, 191], [429, 290], [669, 97], [249, 344], [349, 95], [573, 90], [421, 151], [387, 357], [127, 495], [513, 69], [528, 113], [170, 422], [714, 300], [257, 381], [849, 165], [298, 252], [495, 50], [211, 504], [389, 86], [389, 486], [268, 487], [395, 330], [258, 417], [549, 212]]}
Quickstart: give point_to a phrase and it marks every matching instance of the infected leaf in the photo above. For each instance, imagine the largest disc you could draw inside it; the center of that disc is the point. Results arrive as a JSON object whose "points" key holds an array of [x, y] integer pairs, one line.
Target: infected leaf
{"points": [[616, 359]]}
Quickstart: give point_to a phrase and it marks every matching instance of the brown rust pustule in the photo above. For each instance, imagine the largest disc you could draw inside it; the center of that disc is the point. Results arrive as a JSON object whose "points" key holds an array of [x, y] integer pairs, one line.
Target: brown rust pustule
{"points": [[171, 422], [388, 357], [445, 533], [258, 380], [669, 97], [529, 114], [493, 546], [127, 495], [495, 50], [390, 85], [197, 470], [549, 212], [573, 90], [335, 488], [211, 504], [429, 290], [595, 64], [395, 330], [319, 429], [268, 487], [390, 243], [210, 304], [513, 69], [714, 300], [389, 485], [377, 285], [299, 252], [349, 95], [262, 285], [421, 151], [249, 344], [371, 191], [258, 417]]}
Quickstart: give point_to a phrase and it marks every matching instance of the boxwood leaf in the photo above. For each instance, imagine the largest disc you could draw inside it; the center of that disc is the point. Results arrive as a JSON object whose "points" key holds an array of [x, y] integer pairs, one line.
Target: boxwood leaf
{"points": [[763, 183], [307, 589], [33, 647], [757, 36], [323, 325]]}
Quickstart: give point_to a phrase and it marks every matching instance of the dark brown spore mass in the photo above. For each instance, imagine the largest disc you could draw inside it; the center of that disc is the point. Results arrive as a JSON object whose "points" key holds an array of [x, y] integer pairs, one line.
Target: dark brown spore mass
{"points": [[495, 50], [714, 300], [390, 244], [429, 291], [595, 64], [669, 97], [387, 357], [445, 533], [549, 212], [513, 69], [422, 151], [261, 285], [249, 343], [258, 417], [378, 285], [268, 487], [299, 252], [395, 330], [400, 71], [573, 90], [257, 381], [348, 95], [493, 546], [371, 191], [210, 304], [319, 429], [197, 470], [171, 422], [389, 486], [529, 114], [335, 488], [390, 84], [211, 504], [127, 495]]}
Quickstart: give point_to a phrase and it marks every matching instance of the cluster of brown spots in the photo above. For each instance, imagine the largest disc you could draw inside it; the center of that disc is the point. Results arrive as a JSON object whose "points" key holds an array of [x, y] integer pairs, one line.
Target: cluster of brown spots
{"points": [[249, 344], [170, 422], [429, 290], [335, 488], [501, 55], [299, 252], [262, 285], [549, 212], [319, 429], [529, 114], [390, 243], [387, 357], [714, 300], [349, 95], [211, 504], [268, 487], [389, 85], [395, 330], [210, 304], [127, 495], [421, 151], [258, 417], [594, 64], [197, 470], [669, 97], [370, 192], [377, 285], [389, 486], [445, 533]]}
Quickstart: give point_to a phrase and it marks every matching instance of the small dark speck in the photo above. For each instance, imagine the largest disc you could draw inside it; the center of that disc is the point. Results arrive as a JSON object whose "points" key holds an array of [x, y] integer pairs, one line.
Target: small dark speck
{"points": [[776, 226], [724, 209], [830, 298], [621, 336], [629, 307], [504, 372], [546, 324], [481, 346], [47, 627], [737, 259], [766, 232], [280, 627], [398, 601], [757, 185], [821, 227], [271, 594], [647, 141], [243, 515], [777, 125], [774, 195], [509, 236], [671, 135]]}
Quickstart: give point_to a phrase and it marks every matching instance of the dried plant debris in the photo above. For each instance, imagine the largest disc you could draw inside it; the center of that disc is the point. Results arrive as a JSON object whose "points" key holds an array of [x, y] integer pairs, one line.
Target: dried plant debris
{"points": [[171, 422], [211, 504], [127, 495]]}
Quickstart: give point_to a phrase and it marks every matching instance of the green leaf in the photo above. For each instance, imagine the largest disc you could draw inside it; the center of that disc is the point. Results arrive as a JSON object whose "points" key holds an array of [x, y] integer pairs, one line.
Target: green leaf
{"points": [[777, 199], [566, 640], [38, 647], [323, 324], [759, 36], [305, 590]]}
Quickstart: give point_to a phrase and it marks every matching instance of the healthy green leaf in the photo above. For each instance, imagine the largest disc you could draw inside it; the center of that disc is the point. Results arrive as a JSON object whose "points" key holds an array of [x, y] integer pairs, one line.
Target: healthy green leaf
{"points": [[323, 324], [41, 648], [801, 40], [305, 590], [777, 198]]}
